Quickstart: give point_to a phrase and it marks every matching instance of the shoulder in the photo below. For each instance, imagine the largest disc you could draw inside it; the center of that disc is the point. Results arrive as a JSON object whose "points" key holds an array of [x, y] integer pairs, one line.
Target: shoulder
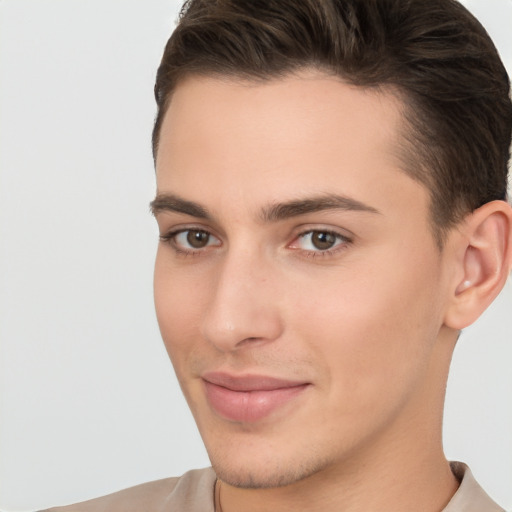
{"points": [[194, 490]]}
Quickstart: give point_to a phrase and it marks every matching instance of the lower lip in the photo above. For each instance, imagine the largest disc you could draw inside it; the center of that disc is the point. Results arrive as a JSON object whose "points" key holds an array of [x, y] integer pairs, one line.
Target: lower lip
{"points": [[249, 406]]}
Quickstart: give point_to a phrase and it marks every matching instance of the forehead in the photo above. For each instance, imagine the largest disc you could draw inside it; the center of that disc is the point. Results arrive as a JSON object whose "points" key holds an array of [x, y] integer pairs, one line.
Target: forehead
{"points": [[282, 110], [279, 139]]}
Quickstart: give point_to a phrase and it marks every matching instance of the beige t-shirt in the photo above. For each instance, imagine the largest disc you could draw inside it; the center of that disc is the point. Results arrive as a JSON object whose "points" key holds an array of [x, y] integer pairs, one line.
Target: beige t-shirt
{"points": [[194, 492]]}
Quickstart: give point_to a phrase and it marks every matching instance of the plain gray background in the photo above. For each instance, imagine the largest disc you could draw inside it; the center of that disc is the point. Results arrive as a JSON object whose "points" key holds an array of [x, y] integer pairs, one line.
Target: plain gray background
{"points": [[89, 403]]}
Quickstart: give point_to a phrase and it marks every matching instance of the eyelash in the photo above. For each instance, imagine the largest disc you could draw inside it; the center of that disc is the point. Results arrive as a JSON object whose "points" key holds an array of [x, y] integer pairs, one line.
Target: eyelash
{"points": [[342, 242]]}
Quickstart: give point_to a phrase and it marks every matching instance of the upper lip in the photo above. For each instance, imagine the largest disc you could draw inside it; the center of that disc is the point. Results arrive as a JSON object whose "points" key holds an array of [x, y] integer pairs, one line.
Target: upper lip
{"points": [[249, 382]]}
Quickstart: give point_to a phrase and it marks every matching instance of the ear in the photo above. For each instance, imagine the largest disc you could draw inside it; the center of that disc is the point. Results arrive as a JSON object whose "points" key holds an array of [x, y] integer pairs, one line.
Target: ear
{"points": [[484, 261]]}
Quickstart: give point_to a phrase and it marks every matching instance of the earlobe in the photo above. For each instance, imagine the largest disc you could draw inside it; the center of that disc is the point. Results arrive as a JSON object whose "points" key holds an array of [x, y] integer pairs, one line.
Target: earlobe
{"points": [[463, 286], [485, 262]]}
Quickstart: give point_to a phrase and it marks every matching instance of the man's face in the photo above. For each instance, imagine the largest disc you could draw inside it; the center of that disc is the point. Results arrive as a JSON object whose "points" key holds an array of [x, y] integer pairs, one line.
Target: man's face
{"points": [[298, 288]]}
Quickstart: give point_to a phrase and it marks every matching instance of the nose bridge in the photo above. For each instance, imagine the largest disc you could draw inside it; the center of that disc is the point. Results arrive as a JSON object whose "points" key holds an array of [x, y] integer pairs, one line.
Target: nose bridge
{"points": [[243, 303]]}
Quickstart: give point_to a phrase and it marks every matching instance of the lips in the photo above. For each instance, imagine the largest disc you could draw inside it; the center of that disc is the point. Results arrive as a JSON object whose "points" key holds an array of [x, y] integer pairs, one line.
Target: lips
{"points": [[249, 398]]}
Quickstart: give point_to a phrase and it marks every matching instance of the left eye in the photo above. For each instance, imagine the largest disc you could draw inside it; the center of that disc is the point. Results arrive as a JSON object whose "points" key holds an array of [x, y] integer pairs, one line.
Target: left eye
{"points": [[318, 241]]}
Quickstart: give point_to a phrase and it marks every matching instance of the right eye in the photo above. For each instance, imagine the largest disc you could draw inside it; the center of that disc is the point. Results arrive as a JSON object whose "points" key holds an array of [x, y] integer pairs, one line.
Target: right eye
{"points": [[191, 240]]}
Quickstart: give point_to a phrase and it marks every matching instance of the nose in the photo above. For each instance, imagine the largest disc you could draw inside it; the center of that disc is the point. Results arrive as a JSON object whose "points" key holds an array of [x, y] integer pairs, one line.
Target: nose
{"points": [[243, 309]]}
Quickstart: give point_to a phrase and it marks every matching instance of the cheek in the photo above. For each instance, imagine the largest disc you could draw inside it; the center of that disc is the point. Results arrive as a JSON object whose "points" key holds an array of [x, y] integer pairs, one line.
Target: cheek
{"points": [[373, 331], [178, 303]]}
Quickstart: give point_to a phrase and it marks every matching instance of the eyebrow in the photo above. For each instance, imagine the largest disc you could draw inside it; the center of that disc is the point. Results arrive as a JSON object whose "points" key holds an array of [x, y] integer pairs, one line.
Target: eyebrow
{"points": [[272, 213], [298, 207], [173, 203]]}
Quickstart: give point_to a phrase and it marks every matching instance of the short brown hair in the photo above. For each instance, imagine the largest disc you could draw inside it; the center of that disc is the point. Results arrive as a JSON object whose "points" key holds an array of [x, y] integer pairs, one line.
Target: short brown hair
{"points": [[434, 53]]}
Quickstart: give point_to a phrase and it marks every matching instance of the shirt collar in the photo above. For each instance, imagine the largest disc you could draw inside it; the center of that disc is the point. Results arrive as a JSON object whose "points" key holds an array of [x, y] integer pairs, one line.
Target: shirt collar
{"points": [[470, 497]]}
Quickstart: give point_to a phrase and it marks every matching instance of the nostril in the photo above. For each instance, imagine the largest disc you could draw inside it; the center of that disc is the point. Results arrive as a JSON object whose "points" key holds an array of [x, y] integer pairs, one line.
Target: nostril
{"points": [[251, 341]]}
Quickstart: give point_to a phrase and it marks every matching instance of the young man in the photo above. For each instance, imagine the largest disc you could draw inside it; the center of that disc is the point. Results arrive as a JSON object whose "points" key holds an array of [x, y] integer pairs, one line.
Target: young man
{"points": [[331, 200]]}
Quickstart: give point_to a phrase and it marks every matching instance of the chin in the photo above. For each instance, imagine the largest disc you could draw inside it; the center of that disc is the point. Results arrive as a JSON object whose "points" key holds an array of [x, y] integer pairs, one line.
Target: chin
{"points": [[249, 478], [248, 473]]}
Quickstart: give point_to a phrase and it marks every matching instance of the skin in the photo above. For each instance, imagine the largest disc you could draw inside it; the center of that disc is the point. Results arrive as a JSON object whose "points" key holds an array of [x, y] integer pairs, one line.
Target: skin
{"points": [[364, 322]]}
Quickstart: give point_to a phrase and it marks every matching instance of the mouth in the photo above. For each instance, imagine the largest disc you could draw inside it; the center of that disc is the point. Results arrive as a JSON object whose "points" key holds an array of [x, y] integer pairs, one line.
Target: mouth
{"points": [[249, 398]]}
